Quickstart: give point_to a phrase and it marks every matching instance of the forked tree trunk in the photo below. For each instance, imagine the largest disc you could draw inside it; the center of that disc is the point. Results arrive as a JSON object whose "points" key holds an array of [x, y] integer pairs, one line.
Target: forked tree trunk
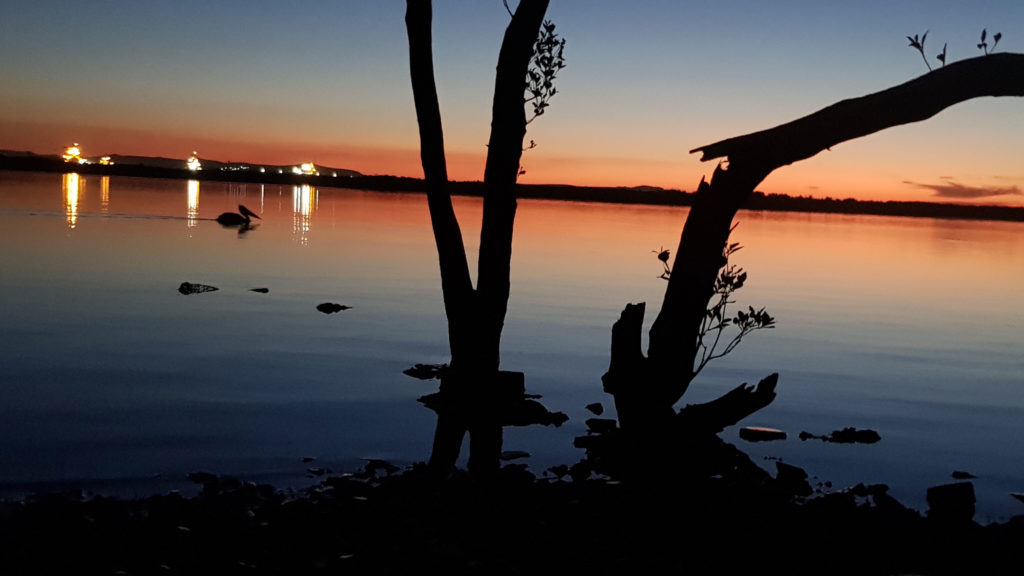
{"points": [[646, 389], [474, 393]]}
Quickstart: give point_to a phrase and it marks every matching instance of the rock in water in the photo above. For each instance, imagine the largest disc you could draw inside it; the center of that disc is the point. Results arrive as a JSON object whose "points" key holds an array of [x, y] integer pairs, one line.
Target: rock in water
{"points": [[190, 288], [331, 307], [951, 502], [793, 479], [426, 371]]}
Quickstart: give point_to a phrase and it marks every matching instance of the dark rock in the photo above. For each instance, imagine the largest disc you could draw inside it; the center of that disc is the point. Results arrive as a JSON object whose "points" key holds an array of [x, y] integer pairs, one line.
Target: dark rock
{"points": [[961, 475], [331, 307], [854, 436], [376, 464], [202, 477], [559, 471], [509, 455], [601, 425], [426, 371], [260, 290], [951, 502], [792, 479], [529, 412], [848, 435], [190, 288], [596, 408]]}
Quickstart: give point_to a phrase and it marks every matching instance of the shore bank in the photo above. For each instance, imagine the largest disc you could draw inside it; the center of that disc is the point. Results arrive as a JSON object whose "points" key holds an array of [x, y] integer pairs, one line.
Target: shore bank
{"points": [[516, 524], [645, 195]]}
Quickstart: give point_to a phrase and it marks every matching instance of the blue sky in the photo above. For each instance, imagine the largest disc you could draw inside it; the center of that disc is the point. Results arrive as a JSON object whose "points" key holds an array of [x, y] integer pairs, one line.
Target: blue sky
{"points": [[645, 83]]}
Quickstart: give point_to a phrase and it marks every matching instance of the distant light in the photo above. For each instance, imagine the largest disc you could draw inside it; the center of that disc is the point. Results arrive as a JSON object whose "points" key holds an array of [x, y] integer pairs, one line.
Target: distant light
{"points": [[335, 174], [262, 170], [306, 169], [73, 154], [106, 161], [193, 163]]}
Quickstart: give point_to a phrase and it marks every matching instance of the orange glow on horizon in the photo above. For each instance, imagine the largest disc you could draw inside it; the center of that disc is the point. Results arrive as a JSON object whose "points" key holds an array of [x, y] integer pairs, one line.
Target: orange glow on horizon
{"points": [[857, 170]]}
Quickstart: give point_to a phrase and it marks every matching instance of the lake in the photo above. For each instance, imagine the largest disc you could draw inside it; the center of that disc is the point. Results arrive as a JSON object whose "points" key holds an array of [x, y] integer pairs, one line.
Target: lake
{"points": [[112, 380]]}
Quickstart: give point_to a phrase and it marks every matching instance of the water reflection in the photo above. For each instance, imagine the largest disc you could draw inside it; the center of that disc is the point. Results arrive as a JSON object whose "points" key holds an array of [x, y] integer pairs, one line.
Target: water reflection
{"points": [[304, 201], [104, 194], [192, 213], [71, 186]]}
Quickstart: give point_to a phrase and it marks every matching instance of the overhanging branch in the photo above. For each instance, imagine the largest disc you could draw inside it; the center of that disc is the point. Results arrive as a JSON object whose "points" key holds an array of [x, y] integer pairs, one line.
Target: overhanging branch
{"points": [[919, 99]]}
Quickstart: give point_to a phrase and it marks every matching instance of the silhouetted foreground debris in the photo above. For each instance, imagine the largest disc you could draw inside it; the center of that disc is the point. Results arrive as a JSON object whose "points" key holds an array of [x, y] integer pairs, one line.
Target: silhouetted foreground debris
{"points": [[331, 307], [190, 288], [426, 371], [846, 436], [260, 290], [381, 522]]}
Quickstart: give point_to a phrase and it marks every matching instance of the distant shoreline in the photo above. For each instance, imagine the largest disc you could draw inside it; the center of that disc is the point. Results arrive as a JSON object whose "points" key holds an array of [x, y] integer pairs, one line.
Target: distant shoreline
{"points": [[643, 195]]}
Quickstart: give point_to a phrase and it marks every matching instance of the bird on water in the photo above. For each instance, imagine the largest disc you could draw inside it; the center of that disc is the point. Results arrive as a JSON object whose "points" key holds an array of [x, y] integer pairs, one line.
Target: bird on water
{"points": [[243, 218]]}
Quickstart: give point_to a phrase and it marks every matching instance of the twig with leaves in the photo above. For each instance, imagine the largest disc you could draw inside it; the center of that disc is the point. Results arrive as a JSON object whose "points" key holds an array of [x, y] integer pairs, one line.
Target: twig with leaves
{"points": [[547, 60], [730, 279], [983, 45], [918, 44], [663, 254]]}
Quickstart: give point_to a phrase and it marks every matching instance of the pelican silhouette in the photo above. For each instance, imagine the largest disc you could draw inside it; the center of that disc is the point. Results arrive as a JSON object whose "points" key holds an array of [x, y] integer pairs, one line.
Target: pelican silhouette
{"points": [[234, 219]]}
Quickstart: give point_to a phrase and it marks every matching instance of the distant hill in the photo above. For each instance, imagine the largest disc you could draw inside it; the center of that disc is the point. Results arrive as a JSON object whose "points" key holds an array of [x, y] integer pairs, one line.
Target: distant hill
{"points": [[163, 163]]}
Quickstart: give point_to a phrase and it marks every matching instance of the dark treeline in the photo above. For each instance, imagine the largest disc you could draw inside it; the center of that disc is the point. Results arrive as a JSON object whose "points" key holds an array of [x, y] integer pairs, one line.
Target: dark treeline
{"points": [[618, 195]]}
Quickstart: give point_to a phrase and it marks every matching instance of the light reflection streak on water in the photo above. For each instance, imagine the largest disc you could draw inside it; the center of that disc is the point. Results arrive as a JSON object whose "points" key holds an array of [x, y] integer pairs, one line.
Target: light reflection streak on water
{"points": [[104, 194], [304, 200], [192, 214], [71, 185]]}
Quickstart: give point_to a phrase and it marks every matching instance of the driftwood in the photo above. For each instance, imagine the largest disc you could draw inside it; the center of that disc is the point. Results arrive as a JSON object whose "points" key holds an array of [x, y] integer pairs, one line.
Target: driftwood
{"points": [[646, 388]]}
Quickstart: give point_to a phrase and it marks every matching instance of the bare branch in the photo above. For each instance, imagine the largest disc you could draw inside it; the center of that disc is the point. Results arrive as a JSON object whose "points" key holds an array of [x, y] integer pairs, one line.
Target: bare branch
{"points": [[913, 101]]}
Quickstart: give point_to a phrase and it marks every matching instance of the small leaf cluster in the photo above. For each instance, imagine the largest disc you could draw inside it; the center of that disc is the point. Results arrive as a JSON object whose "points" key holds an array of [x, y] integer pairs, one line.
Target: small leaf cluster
{"points": [[548, 59], [917, 43], [983, 45], [717, 319], [753, 319], [663, 255]]}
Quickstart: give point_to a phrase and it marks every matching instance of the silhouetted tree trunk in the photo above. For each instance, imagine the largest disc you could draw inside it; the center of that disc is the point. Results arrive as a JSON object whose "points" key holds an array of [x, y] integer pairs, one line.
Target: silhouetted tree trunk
{"points": [[475, 396], [647, 388]]}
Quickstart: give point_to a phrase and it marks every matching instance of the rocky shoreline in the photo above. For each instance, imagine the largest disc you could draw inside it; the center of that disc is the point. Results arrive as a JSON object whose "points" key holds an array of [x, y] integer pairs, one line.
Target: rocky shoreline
{"points": [[736, 519]]}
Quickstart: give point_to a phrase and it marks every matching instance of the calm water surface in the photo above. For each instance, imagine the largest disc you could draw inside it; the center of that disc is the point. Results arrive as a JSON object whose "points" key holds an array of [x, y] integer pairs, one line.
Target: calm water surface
{"points": [[112, 379]]}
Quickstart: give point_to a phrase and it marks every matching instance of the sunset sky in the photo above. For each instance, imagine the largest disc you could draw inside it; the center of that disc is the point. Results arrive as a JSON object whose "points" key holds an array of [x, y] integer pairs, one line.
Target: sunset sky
{"points": [[645, 82]]}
